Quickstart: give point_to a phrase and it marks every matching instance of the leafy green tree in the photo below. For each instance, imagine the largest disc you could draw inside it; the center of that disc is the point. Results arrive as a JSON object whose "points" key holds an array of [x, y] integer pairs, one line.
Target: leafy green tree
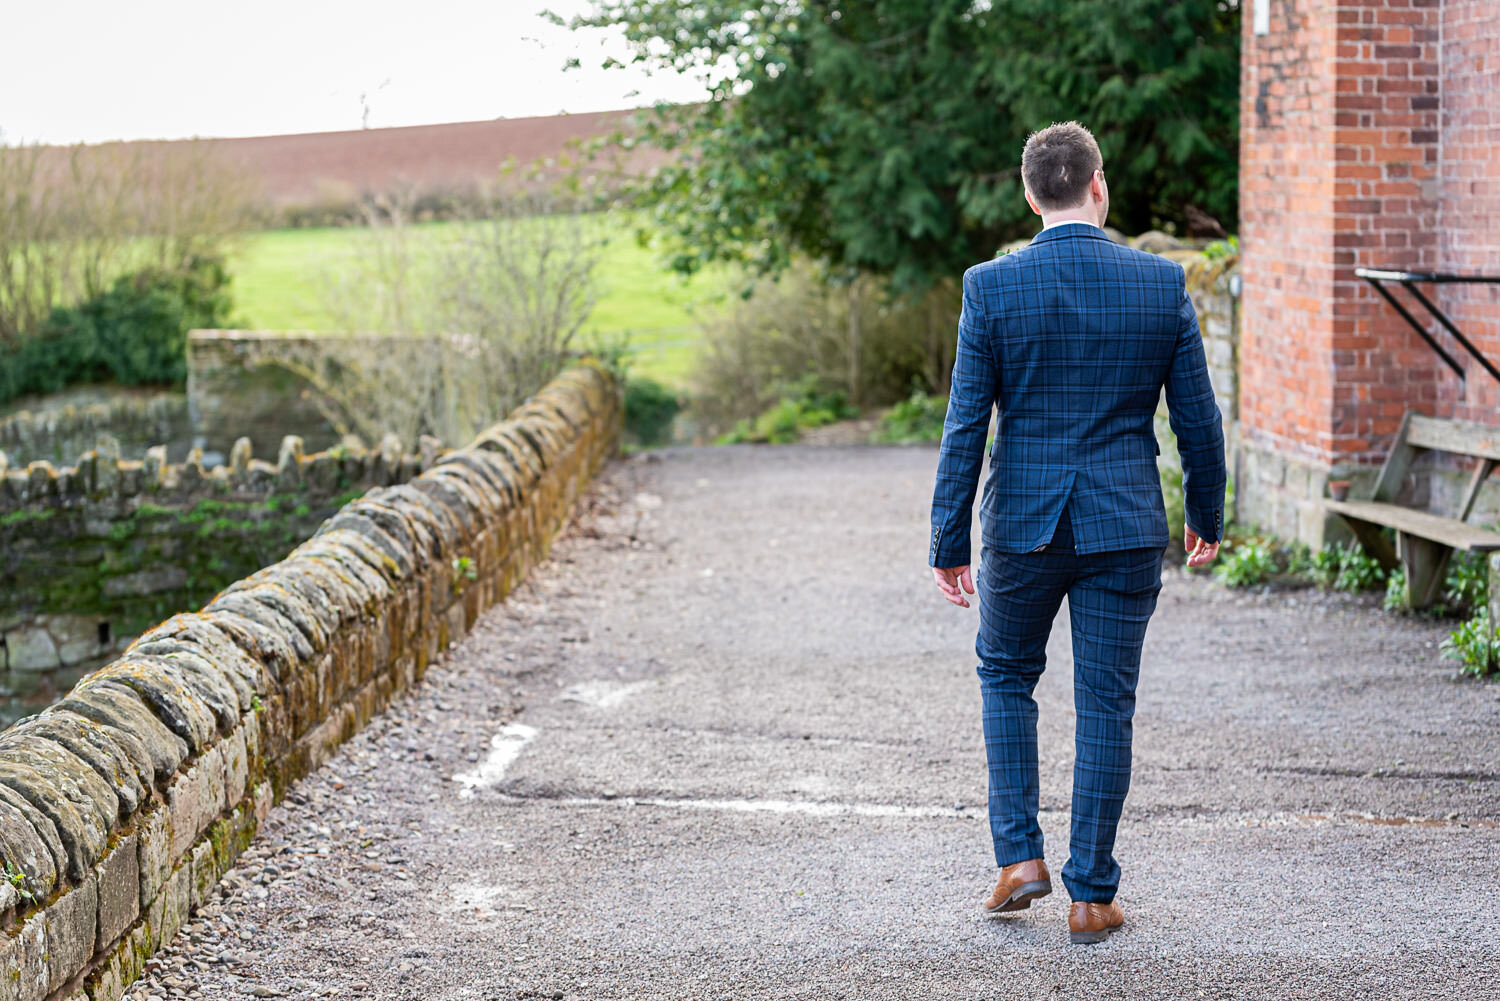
{"points": [[885, 135]]}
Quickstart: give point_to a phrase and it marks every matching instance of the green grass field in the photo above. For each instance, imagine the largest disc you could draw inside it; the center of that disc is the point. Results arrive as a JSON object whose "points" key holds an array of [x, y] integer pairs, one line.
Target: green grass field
{"points": [[278, 275]]}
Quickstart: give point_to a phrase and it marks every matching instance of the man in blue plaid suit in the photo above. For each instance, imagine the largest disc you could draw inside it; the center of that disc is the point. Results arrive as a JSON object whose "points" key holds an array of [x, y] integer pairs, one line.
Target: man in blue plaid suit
{"points": [[1073, 338]]}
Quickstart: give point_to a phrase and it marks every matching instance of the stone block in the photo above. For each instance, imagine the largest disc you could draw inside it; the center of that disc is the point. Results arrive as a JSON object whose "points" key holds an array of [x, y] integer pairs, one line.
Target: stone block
{"points": [[27, 849], [195, 799], [32, 648], [54, 790], [119, 878], [339, 668], [239, 831], [302, 701], [378, 655], [1299, 481], [176, 903], [250, 727], [265, 798], [457, 622], [153, 853], [115, 757], [205, 872], [23, 962], [122, 708], [120, 968], [150, 581], [71, 926], [236, 766]]}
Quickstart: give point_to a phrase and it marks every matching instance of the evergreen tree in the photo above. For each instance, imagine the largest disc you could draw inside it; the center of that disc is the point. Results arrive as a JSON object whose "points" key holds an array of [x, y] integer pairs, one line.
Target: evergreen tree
{"points": [[885, 135]]}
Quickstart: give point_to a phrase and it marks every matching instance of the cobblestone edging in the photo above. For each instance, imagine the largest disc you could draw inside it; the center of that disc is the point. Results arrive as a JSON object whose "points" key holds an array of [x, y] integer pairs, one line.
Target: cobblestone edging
{"points": [[121, 805], [101, 476]]}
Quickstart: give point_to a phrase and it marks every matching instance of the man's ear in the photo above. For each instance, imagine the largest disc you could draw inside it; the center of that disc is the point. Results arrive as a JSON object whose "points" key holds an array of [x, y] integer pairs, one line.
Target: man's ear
{"points": [[1096, 186], [1031, 201]]}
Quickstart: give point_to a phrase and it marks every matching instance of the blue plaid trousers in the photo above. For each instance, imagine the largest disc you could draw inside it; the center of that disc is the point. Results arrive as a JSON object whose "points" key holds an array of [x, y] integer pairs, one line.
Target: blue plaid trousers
{"points": [[1111, 596]]}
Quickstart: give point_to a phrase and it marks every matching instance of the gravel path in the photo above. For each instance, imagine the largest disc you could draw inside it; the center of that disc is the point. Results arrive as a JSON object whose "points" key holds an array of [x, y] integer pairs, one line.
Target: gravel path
{"points": [[725, 745]]}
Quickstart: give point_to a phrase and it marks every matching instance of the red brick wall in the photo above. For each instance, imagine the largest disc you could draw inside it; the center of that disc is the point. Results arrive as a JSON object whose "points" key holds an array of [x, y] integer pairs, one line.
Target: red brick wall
{"points": [[1469, 206], [1386, 157], [1286, 230], [1369, 139]]}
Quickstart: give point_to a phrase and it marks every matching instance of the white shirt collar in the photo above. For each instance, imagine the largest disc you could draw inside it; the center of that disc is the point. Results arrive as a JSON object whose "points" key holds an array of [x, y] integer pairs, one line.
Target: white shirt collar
{"points": [[1068, 222]]}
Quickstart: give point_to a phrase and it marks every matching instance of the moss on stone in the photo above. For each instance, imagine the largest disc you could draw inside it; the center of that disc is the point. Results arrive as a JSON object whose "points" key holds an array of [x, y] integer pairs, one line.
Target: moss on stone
{"points": [[23, 517], [68, 569]]}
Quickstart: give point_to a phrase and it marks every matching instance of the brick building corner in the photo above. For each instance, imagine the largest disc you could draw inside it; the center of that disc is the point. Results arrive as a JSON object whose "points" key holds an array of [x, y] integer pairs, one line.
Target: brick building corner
{"points": [[1370, 137]]}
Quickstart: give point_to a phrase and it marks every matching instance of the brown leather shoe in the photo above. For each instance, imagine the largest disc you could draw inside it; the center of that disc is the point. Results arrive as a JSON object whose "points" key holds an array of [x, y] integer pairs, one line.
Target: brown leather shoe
{"points": [[1090, 923], [1019, 885]]}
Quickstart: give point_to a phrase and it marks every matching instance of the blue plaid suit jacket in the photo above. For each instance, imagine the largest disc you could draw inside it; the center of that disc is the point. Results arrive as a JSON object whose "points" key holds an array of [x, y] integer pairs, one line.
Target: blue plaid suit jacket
{"points": [[1073, 338]]}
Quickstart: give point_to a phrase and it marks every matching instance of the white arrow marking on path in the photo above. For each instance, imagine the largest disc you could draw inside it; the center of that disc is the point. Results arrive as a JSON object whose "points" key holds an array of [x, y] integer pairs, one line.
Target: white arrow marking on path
{"points": [[505, 747]]}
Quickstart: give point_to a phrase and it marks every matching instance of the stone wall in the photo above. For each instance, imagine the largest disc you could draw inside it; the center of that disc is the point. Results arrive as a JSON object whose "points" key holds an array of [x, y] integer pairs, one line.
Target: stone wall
{"points": [[62, 435], [91, 554], [122, 805], [1213, 284], [232, 390]]}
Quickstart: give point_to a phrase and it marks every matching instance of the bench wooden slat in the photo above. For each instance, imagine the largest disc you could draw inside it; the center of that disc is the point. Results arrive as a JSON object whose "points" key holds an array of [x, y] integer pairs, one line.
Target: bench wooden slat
{"points": [[1462, 437], [1419, 523]]}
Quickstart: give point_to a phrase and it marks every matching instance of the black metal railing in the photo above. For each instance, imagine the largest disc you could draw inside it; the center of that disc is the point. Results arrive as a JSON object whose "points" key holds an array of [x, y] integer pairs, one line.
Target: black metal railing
{"points": [[1409, 280]]}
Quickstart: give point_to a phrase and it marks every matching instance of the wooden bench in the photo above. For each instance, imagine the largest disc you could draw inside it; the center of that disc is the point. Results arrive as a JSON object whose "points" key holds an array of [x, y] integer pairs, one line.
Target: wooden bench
{"points": [[1424, 542]]}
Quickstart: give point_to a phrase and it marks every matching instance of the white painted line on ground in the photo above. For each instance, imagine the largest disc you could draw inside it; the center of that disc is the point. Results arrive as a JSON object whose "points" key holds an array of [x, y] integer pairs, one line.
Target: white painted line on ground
{"points": [[812, 809], [505, 747], [835, 809]]}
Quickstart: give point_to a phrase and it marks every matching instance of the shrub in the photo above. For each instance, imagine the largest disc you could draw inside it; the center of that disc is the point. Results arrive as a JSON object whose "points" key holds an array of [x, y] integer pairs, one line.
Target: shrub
{"points": [[1346, 567], [804, 407], [1467, 585], [846, 337], [1247, 565], [1473, 646], [1299, 560], [1395, 590], [1358, 572], [919, 417], [134, 333], [650, 409], [1222, 249], [1323, 567]]}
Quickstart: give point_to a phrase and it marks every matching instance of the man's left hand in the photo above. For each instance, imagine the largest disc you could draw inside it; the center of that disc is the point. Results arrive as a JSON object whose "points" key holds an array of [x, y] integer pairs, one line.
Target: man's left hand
{"points": [[1200, 553], [949, 581]]}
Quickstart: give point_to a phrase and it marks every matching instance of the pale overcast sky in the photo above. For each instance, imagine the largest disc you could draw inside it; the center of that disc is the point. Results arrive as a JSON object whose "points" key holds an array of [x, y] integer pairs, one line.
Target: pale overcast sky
{"points": [[95, 70]]}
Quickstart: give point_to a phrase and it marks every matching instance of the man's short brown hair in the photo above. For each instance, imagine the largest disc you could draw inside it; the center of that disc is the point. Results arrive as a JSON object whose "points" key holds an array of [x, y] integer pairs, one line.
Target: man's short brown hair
{"points": [[1058, 163]]}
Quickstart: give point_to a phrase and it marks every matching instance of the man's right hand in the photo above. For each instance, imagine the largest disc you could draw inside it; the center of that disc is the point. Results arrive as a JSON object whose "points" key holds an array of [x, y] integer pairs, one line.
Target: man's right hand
{"points": [[949, 580], [1200, 553]]}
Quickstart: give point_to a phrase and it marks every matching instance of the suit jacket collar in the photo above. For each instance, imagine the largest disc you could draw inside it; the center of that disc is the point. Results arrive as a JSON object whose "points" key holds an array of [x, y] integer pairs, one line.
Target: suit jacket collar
{"points": [[1067, 232]]}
